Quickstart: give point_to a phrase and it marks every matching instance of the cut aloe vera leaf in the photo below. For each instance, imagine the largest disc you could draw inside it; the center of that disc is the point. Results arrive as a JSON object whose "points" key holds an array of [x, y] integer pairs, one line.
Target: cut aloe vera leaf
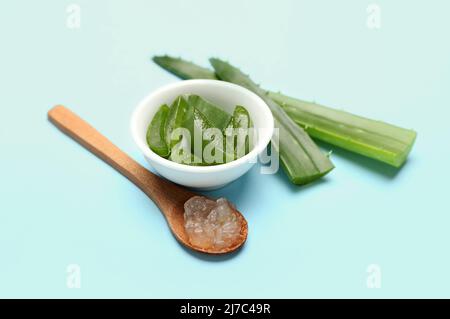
{"points": [[181, 149], [196, 123], [378, 140], [200, 126], [300, 157], [179, 111], [241, 118], [156, 132], [184, 69], [215, 116], [242, 121], [209, 116], [229, 142]]}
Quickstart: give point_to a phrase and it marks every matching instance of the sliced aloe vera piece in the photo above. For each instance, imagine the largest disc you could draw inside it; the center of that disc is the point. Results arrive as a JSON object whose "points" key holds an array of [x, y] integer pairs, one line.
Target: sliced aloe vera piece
{"points": [[200, 125], [196, 123], [242, 121], [241, 117], [214, 115], [300, 157], [179, 111], [156, 132]]}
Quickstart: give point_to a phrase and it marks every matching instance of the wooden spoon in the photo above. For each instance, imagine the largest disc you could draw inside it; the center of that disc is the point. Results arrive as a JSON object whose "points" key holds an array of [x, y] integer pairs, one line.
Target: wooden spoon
{"points": [[169, 197]]}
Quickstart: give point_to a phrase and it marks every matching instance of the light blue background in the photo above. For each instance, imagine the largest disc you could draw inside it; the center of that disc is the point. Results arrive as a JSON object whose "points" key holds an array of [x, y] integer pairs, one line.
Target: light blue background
{"points": [[60, 205]]}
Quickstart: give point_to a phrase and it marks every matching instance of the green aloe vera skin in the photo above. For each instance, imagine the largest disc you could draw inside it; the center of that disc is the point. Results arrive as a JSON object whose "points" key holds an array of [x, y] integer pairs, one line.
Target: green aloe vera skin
{"points": [[156, 138], [183, 69], [300, 157], [200, 118], [375, 139], [179, 111], [242, 121], [214, 115]]}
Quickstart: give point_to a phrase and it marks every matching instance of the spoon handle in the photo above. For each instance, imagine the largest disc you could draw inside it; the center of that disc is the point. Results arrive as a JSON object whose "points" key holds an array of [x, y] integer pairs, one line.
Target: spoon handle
{"points": [[164, 193]]}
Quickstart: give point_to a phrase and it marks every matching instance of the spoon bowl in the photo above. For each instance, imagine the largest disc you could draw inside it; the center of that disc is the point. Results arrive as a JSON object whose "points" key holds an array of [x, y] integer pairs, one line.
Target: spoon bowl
{"points": [[176, 224], [169, 197]]}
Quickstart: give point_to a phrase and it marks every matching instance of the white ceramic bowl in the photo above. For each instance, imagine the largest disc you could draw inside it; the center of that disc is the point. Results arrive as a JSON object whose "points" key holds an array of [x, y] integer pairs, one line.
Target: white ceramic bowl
{"points": [[224, 94]]}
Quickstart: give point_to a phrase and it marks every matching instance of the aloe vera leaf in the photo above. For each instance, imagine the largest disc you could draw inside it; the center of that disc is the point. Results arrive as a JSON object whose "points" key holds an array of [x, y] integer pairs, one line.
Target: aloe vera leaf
{"points": [[201, 124], [375, 139], [178, 112], [197, 126], [300, 157], [241, 118], [156, 132], [242, 121], [215, 116], [183, 69], [184, 119], [378, 140]]}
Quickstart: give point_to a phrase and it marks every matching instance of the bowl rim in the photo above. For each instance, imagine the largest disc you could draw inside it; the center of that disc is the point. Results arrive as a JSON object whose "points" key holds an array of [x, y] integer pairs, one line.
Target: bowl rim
{"points": [[145, 149]]}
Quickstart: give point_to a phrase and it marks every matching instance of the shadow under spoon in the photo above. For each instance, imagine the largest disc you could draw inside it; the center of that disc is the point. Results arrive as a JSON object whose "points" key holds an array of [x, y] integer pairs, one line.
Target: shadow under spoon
{"points": [[169, 197]]}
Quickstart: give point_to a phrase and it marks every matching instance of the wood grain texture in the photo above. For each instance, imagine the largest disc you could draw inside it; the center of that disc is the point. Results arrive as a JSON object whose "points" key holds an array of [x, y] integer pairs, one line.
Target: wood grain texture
{"points": [[169, 197]]}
